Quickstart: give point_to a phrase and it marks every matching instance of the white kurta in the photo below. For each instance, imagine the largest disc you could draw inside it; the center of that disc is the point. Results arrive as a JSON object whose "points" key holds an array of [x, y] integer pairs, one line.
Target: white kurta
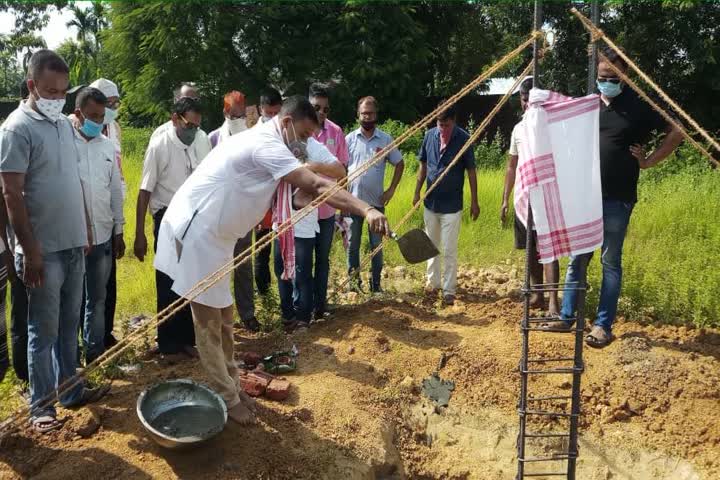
{"points": [[222, 201]]}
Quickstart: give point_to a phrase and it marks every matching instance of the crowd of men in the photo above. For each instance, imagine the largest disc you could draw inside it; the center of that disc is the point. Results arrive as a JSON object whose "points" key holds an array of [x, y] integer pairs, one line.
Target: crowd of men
{"points": [[210, 198]]}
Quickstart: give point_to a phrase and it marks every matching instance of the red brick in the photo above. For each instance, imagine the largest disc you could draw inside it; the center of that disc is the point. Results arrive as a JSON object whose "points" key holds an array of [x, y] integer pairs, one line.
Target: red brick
{"points": [[278, 389], [253, 384]]}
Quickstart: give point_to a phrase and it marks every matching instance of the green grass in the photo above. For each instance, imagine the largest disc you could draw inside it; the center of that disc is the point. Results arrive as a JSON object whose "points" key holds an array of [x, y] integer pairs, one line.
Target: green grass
{"points": [[671, 256]]}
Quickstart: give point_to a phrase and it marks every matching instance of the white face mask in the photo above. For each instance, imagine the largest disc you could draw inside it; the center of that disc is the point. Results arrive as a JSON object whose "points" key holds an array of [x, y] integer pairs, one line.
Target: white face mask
{"points": [[297, 147], [236, 125], [52, 109], [110, 116]]}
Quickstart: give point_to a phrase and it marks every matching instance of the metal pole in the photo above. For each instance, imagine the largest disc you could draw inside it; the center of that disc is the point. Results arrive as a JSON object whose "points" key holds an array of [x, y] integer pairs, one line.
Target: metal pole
{"points": [[522, 403], [537, 24], [592, 61]]}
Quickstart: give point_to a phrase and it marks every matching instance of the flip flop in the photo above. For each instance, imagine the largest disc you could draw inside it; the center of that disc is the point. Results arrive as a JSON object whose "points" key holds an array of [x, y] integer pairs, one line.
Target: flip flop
{"points": [[598, 337], [558, 324], [45, 424]]}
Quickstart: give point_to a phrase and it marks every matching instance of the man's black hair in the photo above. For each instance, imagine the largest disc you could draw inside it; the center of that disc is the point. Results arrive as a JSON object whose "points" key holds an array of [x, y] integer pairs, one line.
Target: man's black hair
{"points": [[270, 97], [299, 108], [614, 57], [448, 114], [187, 104], [88, 94], [45, 60], [24, 90], [318, 90], [526, 86]]}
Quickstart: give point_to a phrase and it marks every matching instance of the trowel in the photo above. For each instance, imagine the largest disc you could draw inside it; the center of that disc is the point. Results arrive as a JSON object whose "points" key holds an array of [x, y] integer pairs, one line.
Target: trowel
{"points": [[415, 246]]}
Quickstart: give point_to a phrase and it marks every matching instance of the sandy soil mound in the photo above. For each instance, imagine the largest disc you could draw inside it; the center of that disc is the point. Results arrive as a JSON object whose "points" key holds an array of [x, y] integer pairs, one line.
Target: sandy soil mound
{"points": [[650, 403]]}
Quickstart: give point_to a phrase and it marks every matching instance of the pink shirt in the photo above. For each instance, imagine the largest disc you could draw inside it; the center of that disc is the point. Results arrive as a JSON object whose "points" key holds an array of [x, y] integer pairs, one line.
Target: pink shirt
{"points": [[332, 136]]}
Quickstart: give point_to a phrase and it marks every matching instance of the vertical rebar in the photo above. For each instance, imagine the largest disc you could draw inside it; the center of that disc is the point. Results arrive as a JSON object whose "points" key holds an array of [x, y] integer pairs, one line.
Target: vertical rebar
{"points": [[522, 403], [579, 367], [592, 60]]}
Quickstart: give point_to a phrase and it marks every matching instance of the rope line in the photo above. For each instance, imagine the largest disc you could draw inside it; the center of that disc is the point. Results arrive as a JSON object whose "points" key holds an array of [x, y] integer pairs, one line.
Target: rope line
{"points": [[207, 282], [468, 144], [597, 34]]}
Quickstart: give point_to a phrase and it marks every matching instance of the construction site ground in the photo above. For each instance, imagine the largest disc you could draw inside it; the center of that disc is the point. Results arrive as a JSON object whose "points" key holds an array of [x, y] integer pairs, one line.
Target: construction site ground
{"points": [[650, 401]]}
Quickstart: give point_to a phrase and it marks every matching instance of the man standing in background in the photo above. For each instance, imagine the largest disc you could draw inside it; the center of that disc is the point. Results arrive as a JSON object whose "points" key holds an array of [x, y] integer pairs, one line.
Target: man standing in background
{"points": [[234, 110], [444, 205], [363, 144], [332, 136], [169, 161], [112, 130]]}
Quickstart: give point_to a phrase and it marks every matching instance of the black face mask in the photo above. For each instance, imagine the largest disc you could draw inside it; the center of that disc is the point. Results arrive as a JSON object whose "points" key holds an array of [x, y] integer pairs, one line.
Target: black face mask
{"points": [[369, 124]]}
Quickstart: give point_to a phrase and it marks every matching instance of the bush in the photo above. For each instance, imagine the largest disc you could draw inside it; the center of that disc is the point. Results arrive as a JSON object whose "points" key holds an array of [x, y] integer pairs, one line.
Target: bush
{"points": [[490, 155], [135, 141]]}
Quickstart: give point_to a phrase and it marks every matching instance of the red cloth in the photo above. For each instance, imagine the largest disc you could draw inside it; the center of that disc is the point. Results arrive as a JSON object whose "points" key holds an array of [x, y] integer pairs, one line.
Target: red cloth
{"points": [[267, 220]]}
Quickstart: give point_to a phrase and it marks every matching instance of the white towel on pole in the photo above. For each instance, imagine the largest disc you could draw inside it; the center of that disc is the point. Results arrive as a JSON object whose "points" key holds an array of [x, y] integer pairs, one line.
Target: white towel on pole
{"points": [[559, 168]]}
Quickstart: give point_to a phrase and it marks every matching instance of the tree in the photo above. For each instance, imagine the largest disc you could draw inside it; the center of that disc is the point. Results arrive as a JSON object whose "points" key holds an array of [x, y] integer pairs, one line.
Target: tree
{"points": [[84, 55]]}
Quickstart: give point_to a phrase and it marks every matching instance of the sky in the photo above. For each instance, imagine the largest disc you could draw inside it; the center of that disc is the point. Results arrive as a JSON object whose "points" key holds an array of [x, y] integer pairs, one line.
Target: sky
{"points": [[55, 31]]}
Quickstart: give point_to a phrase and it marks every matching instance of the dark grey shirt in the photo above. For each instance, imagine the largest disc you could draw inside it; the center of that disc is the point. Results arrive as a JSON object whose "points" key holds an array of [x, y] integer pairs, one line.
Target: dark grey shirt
{"points": [[46, 153]]}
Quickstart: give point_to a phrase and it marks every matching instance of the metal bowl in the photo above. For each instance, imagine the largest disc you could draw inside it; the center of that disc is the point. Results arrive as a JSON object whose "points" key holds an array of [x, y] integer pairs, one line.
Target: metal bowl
{"points": [[181, 413]]}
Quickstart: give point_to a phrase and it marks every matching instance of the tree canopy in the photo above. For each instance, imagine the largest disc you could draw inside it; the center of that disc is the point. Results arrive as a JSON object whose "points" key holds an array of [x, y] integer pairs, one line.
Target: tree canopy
{"points": [[403, 53]]}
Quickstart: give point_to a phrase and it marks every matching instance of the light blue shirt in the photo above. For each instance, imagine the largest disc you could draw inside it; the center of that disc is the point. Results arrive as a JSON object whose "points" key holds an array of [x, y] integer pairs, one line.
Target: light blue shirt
{"points": [[370, 186]]}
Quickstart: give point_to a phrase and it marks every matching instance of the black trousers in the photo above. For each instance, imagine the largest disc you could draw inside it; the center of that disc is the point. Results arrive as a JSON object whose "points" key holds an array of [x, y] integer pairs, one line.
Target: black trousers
{"points": [[176, 332], [262, 264], [110, 303]]}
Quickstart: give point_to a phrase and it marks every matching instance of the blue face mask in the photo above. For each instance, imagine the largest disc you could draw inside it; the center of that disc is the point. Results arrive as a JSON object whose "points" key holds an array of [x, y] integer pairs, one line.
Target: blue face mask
{"points": [[609, 89], [91, 129]]}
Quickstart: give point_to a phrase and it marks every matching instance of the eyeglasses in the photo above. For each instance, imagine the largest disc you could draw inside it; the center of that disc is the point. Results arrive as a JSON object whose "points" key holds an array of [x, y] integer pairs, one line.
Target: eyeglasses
{"points": [[188, 124], [614, 80], [114, 105], [325, 110]]}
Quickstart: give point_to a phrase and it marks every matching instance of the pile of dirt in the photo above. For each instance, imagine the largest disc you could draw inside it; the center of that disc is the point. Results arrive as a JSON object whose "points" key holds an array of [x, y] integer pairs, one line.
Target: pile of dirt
{"points": [[356, 410]]}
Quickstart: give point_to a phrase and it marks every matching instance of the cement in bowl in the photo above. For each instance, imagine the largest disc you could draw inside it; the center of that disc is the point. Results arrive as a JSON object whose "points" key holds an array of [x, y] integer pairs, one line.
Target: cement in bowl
{"points": [[181, 413]]}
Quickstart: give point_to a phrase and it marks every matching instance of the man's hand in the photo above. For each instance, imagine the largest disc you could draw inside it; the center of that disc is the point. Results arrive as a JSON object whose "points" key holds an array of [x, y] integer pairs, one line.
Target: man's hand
{"points": [[503, 213], [88, 248], [377, 222], [387, 195], [638, 151], [140, 246], [474, 210], [118, 246], [33, 268]]}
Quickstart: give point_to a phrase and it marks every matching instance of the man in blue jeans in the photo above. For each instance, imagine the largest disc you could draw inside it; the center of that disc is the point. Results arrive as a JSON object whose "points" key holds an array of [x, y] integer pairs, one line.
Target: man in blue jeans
{"points": [[363, 144], [45, 203], [626, 123], [332, 136], [101, 178]]}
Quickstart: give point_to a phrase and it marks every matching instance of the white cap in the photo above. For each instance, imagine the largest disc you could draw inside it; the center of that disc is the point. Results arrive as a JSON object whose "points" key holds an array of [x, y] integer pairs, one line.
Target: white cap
{"points": [[108, 88]]}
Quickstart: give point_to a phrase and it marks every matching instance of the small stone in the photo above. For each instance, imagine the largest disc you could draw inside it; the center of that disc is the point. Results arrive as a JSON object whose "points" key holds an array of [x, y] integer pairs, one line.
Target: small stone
{"points": [[351, 350], [339, 331], [566, 385], [408, 384], [303, 414], [370, 368], [89, 422], [385, 347], [381, 339], [328, 350]]}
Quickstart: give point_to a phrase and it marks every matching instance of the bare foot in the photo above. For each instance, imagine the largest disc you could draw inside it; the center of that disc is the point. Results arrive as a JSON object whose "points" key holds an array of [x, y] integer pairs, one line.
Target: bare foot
{"points": [[248, 401], [240, 414]]}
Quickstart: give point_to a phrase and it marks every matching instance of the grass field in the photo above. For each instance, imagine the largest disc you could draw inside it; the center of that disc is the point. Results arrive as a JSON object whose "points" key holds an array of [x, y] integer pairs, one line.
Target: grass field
{"points": [[672, 251], [671, 256]]}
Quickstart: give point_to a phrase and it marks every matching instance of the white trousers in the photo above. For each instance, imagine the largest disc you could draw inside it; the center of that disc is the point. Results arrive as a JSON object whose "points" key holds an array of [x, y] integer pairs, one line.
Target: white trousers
{"points": [[444, 231]]}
